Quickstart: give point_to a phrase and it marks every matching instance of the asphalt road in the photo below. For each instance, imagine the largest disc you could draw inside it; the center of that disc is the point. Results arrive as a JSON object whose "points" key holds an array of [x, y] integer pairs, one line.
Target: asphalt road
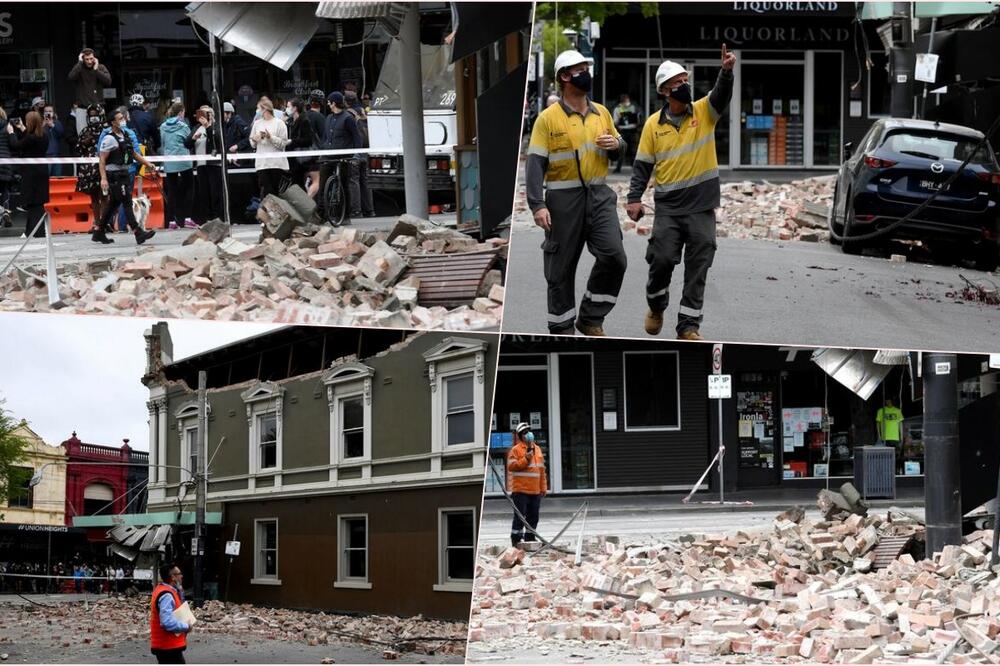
{"points": [[73, 248], [39, 640], [643, 525], [782, 293]]}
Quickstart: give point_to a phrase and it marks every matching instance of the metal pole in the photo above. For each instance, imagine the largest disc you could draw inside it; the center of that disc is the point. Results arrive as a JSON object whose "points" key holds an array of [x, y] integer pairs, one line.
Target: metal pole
{"points": [[219, 131], [229, 570], [930, 48], [994, 556], [412, 105], [943, 489], [722, 454], [201, 479], [48, 563]]}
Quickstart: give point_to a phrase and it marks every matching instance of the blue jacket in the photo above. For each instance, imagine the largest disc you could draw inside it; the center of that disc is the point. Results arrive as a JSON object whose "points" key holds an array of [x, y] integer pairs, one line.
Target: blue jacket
{"points": [[173, 131], [144, 126], [341, 132], [134, 168], [55, 134]]}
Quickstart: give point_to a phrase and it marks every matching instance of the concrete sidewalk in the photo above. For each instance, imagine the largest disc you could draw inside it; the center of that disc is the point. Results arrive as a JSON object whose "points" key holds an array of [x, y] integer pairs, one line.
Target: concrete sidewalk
{"points": [[777, 500]]}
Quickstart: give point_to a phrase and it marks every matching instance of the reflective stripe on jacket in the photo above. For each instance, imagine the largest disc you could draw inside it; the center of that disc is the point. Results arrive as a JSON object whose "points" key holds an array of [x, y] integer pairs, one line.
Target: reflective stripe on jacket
{"points": [[684, 156], [560, 136], [160, 638], [524, 475]]}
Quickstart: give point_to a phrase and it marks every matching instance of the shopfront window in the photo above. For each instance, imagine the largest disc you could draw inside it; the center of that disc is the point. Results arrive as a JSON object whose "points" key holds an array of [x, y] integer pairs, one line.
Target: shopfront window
{"points": [[522, 395], [576, 412], [826, 135], [652, 396], [771, 114], [24, 75]]}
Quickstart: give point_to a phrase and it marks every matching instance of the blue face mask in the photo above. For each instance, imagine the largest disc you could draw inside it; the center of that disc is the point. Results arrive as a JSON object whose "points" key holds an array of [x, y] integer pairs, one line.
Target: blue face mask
{"points": [[530, 438]]}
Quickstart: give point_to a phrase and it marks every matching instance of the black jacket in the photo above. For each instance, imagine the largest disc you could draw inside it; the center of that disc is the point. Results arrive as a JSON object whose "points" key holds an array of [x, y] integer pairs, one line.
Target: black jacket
{"points": [[34, 177], [6, 170], [236, 134]]}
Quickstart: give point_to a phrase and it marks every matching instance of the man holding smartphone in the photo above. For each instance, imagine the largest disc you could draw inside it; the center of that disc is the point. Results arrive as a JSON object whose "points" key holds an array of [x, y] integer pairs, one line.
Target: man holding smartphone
{"points": [[89, 78], [527, 483]]}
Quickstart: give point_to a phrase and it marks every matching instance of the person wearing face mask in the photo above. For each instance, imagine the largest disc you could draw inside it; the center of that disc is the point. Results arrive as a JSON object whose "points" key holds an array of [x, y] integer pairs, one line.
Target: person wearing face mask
{"points": [[88, 176], [677, 146], [571, 144], [301, 137], [133, 168], [526, 482], [118, 151]]}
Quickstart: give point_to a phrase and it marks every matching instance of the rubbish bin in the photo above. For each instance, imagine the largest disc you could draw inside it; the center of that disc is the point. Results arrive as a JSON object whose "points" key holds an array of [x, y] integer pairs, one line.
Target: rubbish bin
{"points": [[875, 471]]}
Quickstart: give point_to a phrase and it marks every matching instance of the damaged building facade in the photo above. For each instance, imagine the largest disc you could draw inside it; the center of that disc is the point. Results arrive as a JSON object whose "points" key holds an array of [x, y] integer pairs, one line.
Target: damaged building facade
{"points": [[346, 462], [628, 416]]}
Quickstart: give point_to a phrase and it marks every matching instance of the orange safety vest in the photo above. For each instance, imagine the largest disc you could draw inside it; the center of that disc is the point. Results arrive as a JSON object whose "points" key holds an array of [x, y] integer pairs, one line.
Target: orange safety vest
{"points": [[160, 638], [523, 475]]}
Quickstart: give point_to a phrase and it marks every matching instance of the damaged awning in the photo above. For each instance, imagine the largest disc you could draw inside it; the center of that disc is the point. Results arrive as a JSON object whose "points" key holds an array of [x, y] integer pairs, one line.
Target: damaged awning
{"points": [[389, 14], [274, 32], [129, 540], [854, 368], [146, 519]]}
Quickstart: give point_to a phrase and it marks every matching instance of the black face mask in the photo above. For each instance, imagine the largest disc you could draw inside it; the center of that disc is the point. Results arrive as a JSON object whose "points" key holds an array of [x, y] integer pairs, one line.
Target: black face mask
{"points": [[581, 81], [681, 93]]}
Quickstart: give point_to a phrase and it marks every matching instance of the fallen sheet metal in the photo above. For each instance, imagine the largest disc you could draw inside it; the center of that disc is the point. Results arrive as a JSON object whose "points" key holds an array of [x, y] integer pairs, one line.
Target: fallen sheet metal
{"points": [[854, 368]]}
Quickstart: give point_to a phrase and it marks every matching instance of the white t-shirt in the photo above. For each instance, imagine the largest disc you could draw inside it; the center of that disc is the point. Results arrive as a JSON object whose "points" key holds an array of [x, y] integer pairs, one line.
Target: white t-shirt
{"points": [[275, 144]]}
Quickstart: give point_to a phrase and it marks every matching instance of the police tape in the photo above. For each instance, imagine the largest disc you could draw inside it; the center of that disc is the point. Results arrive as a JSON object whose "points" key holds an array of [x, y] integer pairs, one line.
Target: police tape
{"points": [[17, 575], [163, 159]]}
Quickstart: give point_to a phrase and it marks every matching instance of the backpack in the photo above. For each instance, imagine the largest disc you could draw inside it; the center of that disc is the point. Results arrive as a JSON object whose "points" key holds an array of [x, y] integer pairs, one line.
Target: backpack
{"points": [[362, 120]]}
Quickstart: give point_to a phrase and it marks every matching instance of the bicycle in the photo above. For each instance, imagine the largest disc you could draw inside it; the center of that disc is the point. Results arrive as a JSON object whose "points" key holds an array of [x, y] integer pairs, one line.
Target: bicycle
{"points": [[335, 193]]}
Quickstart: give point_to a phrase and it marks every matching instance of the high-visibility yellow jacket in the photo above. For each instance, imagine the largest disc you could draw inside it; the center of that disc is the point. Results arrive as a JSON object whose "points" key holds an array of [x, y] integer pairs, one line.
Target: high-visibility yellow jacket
{"points": [[559, 138], [526, 475]]}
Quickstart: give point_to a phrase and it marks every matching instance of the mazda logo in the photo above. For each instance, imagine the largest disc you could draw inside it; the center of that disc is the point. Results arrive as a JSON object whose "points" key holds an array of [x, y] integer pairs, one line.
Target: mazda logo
{"points": [[937, 167]]}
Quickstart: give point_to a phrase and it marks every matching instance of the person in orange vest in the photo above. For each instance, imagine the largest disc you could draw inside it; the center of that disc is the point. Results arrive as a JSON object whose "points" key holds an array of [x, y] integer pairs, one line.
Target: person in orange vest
{"points": [[526, 482], [167, 635]]}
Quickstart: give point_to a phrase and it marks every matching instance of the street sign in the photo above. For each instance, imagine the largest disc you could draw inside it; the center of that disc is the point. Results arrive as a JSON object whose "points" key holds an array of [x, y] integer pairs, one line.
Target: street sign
{"points": [[716, 359], [233, 548], [720, 386], [142, 574]]}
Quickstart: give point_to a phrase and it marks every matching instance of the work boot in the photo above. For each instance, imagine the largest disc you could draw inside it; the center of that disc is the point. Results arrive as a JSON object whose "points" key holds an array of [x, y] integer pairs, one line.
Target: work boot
{"points": [[689, 334], [99, 235], [654, 322], [515, 539], [142, 236], [590, 330]]}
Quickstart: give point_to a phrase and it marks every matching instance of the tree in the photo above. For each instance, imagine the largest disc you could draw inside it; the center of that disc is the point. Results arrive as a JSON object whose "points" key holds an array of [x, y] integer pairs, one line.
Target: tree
{"points": [[13, 448], [572, 14]]}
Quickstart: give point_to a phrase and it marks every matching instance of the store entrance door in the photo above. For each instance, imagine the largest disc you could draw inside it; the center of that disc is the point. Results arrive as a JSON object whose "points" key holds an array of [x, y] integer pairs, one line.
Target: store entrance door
{"points": [[772, 112], [574, 437], [522, 394], [758, 427]]}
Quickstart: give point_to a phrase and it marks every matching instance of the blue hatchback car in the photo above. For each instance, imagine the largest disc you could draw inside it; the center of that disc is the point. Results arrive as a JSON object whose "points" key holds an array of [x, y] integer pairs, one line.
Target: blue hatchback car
{"points": [[897, 166]]}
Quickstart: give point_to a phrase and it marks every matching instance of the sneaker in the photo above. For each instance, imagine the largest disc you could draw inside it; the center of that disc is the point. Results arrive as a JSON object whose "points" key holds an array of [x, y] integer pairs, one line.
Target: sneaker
{"points": [[143, 236], [100, 236], [590, 330], [689, 334], [191, 224], [173, 225], [653, 322]]}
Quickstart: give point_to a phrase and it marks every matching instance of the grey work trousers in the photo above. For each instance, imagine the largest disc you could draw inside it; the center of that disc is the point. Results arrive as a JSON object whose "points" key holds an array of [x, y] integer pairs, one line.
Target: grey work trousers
{"points": [[582, 216], [694, 234]]}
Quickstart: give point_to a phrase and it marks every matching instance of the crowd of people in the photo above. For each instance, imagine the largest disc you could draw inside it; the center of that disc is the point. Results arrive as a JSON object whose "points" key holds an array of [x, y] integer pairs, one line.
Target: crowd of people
{"points": [[121, 137], [74, 576]]}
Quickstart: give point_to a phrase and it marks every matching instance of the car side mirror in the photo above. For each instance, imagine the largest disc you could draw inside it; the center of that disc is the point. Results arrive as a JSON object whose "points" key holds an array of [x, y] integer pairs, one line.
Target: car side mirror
{"points": [[847, 149]]}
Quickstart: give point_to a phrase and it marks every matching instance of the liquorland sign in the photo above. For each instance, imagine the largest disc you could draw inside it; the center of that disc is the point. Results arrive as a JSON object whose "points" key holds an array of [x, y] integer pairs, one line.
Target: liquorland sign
{"points": [[766, 34], [786, 7]]}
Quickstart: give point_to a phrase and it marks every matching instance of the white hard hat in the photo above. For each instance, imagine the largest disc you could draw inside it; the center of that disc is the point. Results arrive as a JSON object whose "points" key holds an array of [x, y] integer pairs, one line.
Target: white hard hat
{"points": [[522, 428], [667, 70], [570, 58]]}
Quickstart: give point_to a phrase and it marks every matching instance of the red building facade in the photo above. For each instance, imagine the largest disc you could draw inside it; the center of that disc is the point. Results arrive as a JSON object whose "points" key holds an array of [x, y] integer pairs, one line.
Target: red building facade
{"points": [[96, 489]]}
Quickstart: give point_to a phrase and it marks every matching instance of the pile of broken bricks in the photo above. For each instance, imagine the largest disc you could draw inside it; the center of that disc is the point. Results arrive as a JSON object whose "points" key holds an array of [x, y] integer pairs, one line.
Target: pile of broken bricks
{"points": [[815, 596], [113, 620], [796, 210], [299, 272]]}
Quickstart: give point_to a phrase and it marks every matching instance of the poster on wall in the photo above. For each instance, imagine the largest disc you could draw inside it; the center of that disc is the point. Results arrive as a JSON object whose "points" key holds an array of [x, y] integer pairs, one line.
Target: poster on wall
{"points": [[515, 418], [756, 429]]}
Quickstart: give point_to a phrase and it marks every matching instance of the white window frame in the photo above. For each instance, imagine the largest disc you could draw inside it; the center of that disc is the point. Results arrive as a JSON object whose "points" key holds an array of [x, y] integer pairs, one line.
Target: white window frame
{"points": [[344, 382], [444, 583], [263, 398], [187, 419], [444, 401], [628, 428], [344, 581], [456, 356], [258, 433], [258, 577]]}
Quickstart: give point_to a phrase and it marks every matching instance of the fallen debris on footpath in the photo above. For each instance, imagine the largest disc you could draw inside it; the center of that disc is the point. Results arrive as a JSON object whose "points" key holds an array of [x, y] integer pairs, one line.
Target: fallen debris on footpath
{"points": [[299, 273], [850, 588], [111, 621]]}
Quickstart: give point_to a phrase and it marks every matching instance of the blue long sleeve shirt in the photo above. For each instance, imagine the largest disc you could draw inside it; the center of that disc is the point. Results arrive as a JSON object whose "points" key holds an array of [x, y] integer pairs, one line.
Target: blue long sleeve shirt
{"points": [[165, 604]]}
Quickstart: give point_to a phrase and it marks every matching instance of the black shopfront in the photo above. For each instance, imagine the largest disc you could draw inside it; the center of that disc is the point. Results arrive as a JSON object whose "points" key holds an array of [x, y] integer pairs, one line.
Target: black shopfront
{"points": [[793, 104], [634, 416]]}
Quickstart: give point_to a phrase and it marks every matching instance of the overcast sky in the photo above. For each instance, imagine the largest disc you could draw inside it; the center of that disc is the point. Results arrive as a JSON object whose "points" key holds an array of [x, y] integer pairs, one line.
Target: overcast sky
{"points": [[81, 372]]}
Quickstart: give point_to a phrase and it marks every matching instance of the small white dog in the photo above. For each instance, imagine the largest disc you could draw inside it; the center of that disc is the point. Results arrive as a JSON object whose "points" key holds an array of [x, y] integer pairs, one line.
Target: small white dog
{"points": [[140, 208]]}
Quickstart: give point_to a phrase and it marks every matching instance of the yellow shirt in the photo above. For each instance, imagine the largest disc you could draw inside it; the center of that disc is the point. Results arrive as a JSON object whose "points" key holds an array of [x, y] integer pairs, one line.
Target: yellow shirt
{"points": [[561, 135]]}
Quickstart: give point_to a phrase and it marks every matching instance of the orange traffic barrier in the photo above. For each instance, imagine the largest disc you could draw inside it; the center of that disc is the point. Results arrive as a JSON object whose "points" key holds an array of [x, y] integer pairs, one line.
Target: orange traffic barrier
{"points": [[69, 211]]}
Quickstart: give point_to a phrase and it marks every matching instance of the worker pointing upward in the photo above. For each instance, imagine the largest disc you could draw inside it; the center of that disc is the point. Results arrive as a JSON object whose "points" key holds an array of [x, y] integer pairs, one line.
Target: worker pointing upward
{"points": [[677, 146], [571, 144]]}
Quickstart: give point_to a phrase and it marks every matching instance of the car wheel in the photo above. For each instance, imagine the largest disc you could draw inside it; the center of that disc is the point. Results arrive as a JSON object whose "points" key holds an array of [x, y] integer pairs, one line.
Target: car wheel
{"points": [[849, 247]]}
